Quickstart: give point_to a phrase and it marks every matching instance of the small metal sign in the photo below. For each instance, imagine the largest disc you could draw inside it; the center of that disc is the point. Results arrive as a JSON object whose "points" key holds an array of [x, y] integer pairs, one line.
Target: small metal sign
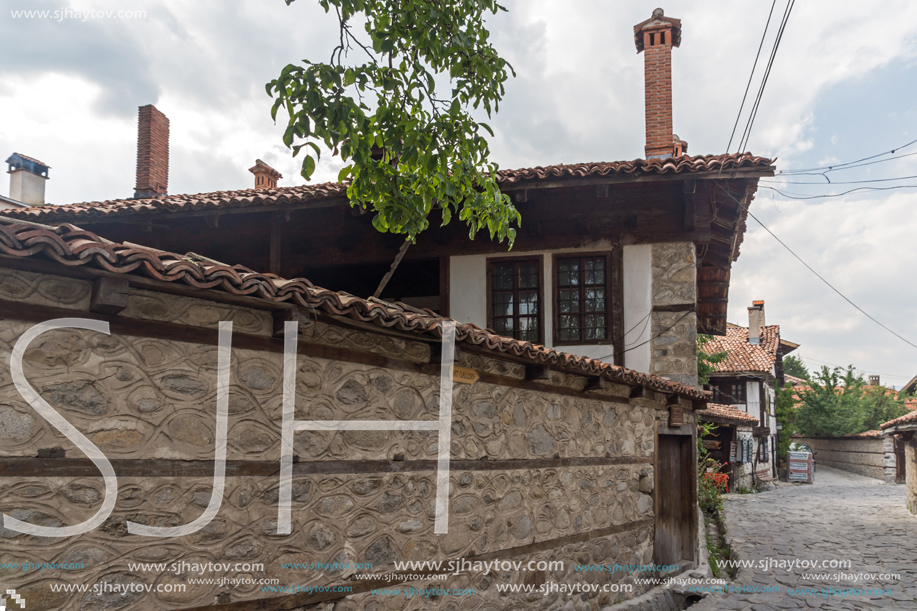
{"points": [[732, 451], [676, 416], [800, 467], [464, 375]]}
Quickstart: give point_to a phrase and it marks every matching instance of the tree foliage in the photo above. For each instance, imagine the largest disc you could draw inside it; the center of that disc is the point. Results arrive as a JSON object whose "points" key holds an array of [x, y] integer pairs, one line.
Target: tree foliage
{"points": [[785, 412], [837, 402], [706, 363], [793, 366], [410, 144]]}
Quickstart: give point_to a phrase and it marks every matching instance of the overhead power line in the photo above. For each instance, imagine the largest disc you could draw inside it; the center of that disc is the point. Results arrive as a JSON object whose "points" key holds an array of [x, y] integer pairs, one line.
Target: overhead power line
{"points": [[811, 269], [800, 196], [751, 76], [843, 182], [743, 142], [855, 163]]}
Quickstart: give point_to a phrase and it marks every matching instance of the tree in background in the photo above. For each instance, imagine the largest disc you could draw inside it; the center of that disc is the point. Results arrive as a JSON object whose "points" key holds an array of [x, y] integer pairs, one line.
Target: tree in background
{"points": [[837, 402], [793, 366], [785, 411], [401, 119], [706, 363], [880, 404]]}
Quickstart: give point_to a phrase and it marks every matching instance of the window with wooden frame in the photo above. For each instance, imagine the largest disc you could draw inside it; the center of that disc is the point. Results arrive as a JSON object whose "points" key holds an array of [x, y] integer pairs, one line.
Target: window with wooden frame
{"points": [[729, 392], [582, 299], [514, 298]]}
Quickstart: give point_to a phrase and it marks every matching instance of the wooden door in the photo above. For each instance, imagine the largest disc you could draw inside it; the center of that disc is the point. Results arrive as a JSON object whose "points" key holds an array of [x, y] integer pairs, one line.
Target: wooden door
{"points": [[676, 522], [900, 472]]}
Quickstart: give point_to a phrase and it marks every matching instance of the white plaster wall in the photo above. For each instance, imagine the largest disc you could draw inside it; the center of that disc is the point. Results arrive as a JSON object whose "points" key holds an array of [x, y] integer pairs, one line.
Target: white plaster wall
{"points": [[468, 294], [468, 289], [753, 396], [638, 302], [27, 187]]}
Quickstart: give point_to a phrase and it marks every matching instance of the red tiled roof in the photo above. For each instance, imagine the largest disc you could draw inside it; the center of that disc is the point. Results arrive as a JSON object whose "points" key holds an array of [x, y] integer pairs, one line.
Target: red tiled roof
{"points": [[72, 246], [793, 380], [742, 356], [910, 418], [293, 195], [727, 413], [685, 164]]}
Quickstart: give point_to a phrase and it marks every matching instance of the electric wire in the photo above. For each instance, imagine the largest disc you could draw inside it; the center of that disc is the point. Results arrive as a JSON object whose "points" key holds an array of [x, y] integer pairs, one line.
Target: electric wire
{"points": [[743, 142], [844, 182], [811, 269], [799, 196], [856, 163], [751, 76], [658, 335]]}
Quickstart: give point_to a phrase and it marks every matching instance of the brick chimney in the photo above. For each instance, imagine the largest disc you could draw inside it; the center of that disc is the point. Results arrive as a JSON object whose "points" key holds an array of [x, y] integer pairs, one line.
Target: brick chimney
{"points": [[266, 177], [152, 153], [755, 322], [655, 37], [27, 179]]}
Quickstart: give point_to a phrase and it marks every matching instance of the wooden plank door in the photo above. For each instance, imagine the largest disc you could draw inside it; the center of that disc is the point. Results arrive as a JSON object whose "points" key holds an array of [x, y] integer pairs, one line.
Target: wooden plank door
{"points": [[676, 522]]}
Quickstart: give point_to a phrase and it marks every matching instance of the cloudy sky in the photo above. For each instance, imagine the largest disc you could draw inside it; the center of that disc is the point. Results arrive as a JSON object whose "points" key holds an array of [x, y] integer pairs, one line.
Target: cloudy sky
{"points": [[842, 88]]}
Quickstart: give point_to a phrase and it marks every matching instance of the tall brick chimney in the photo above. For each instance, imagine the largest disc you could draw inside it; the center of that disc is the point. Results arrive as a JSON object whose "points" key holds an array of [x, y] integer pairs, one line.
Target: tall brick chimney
{"points": [[152, 153], [266, 177], [655, 37]]}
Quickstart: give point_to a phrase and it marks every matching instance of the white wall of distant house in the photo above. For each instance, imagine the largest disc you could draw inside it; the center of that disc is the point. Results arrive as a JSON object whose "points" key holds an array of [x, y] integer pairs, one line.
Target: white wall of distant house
{"points": [[468, 297]]}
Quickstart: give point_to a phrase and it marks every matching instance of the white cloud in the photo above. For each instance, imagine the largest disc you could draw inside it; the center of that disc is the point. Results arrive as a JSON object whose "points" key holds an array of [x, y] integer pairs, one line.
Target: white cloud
{"points": [[70, 90]]}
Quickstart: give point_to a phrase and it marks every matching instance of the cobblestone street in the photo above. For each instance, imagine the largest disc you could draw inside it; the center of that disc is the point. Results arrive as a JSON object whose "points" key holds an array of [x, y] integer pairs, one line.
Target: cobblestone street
{"points": [[842, 516]]}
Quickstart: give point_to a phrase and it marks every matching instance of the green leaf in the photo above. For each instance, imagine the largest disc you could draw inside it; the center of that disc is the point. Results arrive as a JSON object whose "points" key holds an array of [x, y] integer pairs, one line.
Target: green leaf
{"points": [[308, 167]]}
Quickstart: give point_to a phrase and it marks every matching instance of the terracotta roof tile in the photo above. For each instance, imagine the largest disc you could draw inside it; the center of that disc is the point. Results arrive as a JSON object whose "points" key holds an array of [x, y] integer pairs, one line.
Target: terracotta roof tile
{"points": [[793, 380], [910, 418], [728, 414], [742, 356], [72, 246], [293, 195]]}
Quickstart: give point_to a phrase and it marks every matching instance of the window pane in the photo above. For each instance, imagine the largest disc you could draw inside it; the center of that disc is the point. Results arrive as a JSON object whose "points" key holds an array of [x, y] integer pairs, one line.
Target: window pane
{"points": [[595, 327], [503, 277], [528, 275], [503, 326], [502, 304], [595, 300], [567, 272], [568, 301], [528, 328], [595, 272], [528, 303]]}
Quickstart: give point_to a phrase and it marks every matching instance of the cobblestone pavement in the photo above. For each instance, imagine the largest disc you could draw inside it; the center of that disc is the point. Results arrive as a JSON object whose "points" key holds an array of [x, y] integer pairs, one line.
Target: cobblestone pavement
{"points": [[842, 516]]}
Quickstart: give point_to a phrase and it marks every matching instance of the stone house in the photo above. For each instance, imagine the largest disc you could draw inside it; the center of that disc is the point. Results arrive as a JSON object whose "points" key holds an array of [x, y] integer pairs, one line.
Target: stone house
{"points": [[731, 441], [619, 261], [747, 380], [900, 446], [125, 349]]}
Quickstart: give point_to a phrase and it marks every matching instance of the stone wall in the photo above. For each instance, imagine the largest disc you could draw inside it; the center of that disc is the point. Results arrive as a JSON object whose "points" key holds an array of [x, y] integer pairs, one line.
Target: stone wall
{"points": [[536, 475], [674, 317], [910, 473], [865, 456]]}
